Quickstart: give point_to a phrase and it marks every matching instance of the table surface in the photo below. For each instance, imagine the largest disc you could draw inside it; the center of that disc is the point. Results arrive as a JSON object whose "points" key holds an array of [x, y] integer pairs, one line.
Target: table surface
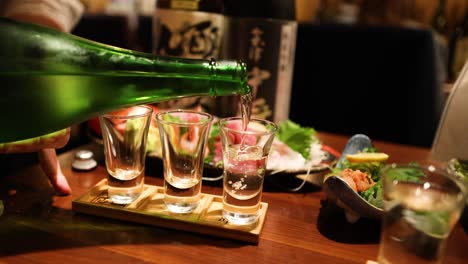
{"points": [[301, 227]]}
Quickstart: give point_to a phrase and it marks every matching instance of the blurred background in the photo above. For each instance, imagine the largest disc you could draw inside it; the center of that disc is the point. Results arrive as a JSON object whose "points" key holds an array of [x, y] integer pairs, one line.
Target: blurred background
{"points": [[126, 22], [379, 67]]}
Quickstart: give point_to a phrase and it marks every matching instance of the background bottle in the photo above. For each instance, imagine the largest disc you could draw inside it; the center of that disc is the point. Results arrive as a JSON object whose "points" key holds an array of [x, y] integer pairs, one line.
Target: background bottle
{"points": [[458, 47], [51, 79], [263, 34], [441, 36], [439, 21], [188, 28]]}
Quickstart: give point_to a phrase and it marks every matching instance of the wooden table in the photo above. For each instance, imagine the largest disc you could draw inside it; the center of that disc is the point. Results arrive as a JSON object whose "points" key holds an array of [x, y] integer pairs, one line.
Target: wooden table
{"points": [[301, 227]]}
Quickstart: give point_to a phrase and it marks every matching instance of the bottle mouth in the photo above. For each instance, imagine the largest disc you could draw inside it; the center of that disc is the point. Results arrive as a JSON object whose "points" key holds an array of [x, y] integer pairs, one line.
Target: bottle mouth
{"points": [[242, 69], [237, 70], [246, 89]]}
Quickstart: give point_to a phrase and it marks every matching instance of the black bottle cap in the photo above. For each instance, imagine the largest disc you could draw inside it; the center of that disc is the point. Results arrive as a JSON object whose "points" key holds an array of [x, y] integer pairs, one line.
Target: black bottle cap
{"points": [[277, 9]]}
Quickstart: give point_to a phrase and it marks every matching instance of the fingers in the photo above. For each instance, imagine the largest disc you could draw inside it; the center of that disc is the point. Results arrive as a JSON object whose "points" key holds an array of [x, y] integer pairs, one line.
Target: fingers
{"points": [[51, 167], [53, 140]]}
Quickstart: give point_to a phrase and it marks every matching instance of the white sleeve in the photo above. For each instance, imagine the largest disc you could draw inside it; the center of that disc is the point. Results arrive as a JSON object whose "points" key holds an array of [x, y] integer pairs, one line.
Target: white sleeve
{"points": [[66, 13], [451, 140]]}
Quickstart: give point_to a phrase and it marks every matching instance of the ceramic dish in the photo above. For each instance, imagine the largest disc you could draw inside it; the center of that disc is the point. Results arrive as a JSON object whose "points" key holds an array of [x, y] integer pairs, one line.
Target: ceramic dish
{"points": [[339, 192]]}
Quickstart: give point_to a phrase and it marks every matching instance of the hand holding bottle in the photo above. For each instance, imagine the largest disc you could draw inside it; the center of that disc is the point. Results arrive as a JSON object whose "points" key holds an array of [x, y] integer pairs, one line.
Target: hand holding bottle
{"points": [[45, 145]]}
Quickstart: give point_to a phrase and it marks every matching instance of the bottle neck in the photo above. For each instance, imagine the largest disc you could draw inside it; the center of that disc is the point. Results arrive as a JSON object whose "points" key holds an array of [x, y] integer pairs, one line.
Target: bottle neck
{"points": [[32, 50]]}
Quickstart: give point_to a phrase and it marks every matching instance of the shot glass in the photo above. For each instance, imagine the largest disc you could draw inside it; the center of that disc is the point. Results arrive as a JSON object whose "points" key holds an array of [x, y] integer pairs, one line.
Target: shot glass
{"points": [[421, 207], [124, 133], [245, 156], [184, 135]]}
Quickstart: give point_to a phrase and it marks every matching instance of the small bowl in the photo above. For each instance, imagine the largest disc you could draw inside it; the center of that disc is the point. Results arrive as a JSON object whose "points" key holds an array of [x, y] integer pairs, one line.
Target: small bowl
{"points": [[339, 192]]}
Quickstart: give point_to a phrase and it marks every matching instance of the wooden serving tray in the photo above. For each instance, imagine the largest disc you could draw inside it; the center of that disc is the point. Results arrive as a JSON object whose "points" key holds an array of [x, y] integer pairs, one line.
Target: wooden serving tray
{"points": [[149, 209]]}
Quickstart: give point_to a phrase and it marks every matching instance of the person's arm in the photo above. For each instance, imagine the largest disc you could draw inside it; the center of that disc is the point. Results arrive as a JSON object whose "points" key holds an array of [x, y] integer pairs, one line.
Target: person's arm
{"points": [[58, 14]]}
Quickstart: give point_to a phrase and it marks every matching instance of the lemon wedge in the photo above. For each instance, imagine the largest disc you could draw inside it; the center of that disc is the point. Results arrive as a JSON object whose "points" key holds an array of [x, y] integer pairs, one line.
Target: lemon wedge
{"points": [[367, 157]]}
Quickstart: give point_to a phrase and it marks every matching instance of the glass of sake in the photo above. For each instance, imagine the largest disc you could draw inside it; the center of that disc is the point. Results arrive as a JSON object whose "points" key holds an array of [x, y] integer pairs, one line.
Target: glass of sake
{"points": [[184, 136], [245, 150], [422, 204], [124, 133]]}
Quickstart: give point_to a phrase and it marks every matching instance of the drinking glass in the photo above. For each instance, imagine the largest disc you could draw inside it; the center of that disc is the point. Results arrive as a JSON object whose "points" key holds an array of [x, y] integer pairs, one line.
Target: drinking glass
{"points": [[421, 207], [124, 133], [184, 134], [245, 155]]}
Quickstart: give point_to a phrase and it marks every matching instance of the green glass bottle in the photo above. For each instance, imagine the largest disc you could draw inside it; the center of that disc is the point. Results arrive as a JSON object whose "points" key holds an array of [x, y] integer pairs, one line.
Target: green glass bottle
{"points": [[50, 79]]}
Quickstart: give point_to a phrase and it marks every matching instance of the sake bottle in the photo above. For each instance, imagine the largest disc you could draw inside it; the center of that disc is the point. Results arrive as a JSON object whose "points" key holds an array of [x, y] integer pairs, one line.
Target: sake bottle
{"points": [[50, 80]]}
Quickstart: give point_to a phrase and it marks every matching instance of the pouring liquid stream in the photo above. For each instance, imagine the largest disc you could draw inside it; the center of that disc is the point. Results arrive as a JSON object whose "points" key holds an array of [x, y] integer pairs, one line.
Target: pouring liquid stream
{"points": [[246, 111]]}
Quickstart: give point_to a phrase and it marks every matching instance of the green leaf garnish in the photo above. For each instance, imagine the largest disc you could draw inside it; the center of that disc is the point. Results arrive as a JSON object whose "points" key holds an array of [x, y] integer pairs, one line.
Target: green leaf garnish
{"points": [[296, 137]]}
